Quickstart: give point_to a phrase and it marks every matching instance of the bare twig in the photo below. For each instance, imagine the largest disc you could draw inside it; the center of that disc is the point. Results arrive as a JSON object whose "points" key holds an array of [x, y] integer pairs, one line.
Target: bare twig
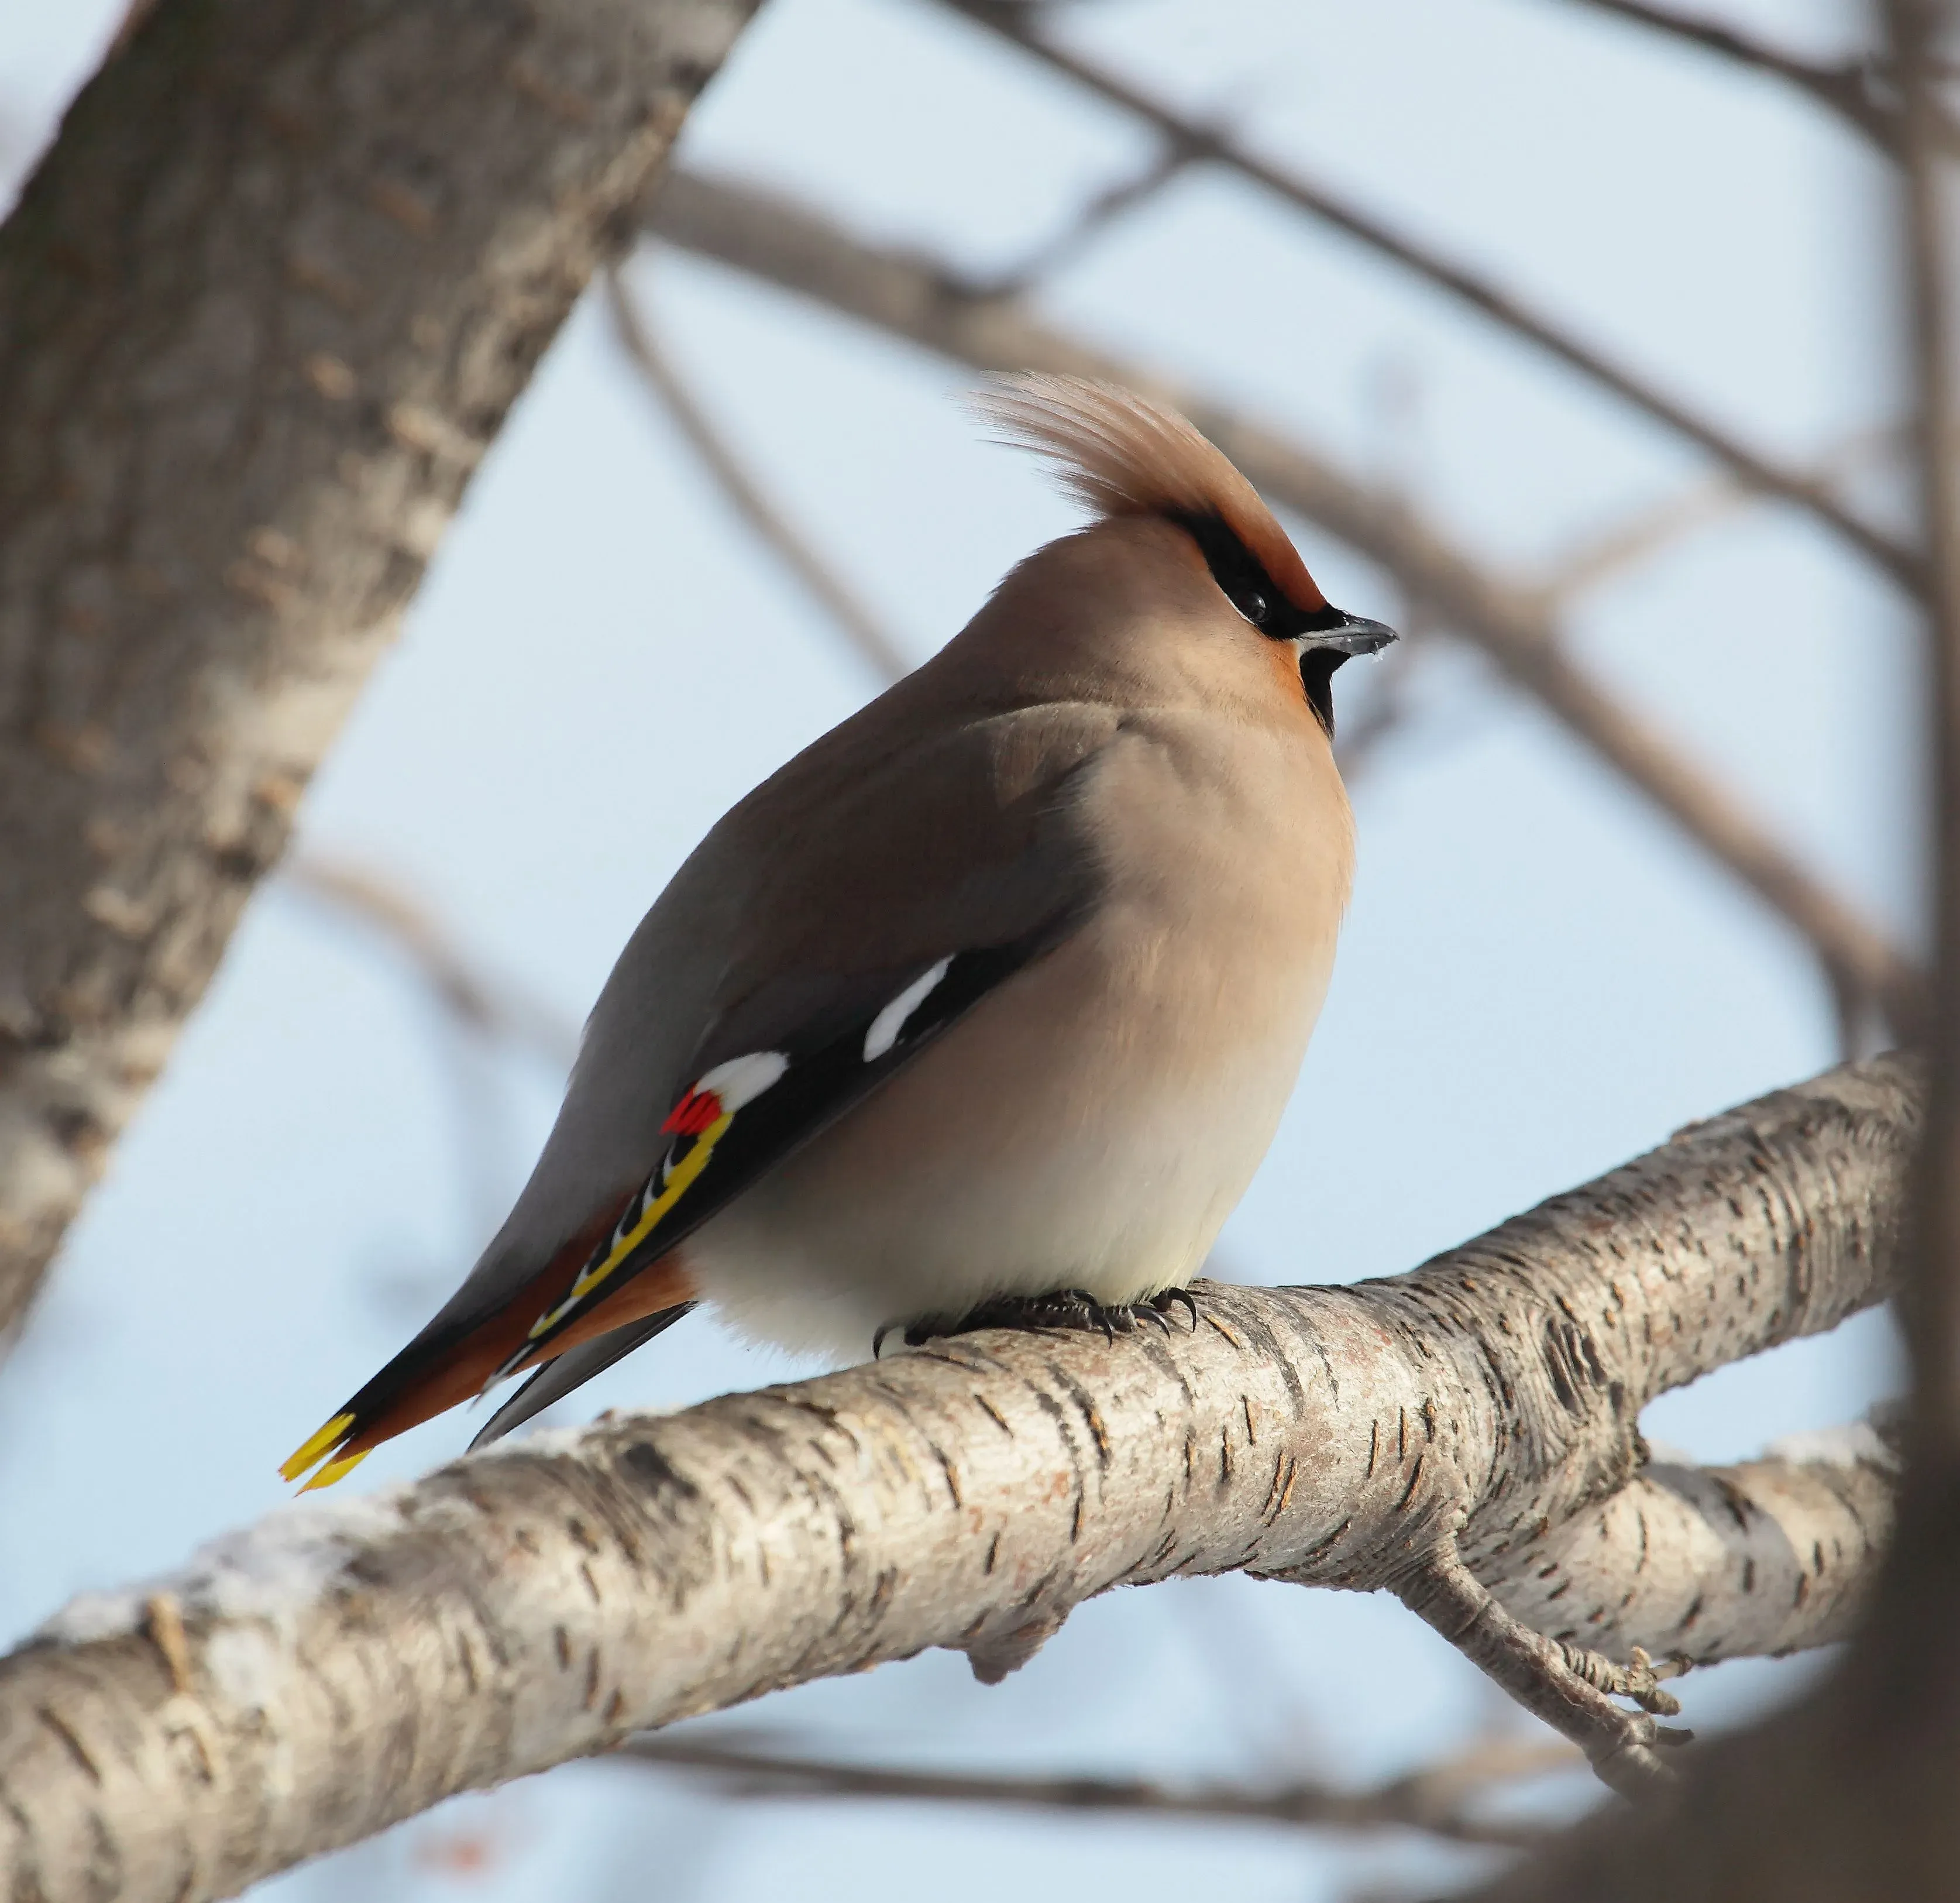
{"points": [[1095, 217], [1436, 1799], [825, 587], [1598, 558], [491, 1005], [1571, 1687], [1846, 88], [1508, 311], [912, 296]]}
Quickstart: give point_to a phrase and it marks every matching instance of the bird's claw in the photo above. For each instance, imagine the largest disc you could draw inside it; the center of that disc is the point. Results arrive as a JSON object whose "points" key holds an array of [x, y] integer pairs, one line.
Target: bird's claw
{"points": [[1068, 1308]]}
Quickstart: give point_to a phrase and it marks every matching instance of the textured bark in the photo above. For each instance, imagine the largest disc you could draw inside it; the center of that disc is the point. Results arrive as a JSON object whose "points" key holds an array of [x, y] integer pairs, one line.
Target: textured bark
{"points": [[262, 307], [1848, 1797], [336, 1668], [1517, 627]]}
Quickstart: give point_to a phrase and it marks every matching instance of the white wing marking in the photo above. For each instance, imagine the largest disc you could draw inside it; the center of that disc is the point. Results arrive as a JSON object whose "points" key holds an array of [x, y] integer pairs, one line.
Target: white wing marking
{"points": [[742, 1079], [886, 1025]]}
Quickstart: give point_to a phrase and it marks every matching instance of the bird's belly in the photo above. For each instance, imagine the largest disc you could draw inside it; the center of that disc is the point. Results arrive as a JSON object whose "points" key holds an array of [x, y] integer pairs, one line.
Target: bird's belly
{"points": [[1089, 1125]]}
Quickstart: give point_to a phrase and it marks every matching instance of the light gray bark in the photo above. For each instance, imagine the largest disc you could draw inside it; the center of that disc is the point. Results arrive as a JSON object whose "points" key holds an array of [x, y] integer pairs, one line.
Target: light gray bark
{"points": [[262, 307], [1463, 1427]]}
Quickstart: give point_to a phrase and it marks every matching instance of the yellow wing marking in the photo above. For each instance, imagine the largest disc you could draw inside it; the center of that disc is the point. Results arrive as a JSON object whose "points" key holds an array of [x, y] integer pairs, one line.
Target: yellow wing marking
{"points": [[677, 1186]]}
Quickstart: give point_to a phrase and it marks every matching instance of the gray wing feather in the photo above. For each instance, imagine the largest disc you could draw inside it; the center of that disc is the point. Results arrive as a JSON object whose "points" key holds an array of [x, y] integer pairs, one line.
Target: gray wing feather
{"points": [[895, 839], [572, 1369]]}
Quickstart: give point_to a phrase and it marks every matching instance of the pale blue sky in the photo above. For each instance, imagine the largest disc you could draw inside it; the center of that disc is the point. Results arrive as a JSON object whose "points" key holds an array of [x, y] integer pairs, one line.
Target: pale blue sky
{"points": [[1538, 977]]}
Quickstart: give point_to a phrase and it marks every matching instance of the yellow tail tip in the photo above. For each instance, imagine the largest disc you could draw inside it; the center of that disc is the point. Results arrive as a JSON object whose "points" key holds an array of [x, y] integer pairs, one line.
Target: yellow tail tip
{"points": [[303, 1457], [334, 1470]]}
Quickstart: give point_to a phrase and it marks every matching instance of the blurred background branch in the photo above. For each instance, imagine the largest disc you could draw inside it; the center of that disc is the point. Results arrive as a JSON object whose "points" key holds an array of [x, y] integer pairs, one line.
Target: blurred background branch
{"points": [[493, 1006], [1849, 88], [801, 251], [840, 603], [1448, 1799], [1191, 142]]}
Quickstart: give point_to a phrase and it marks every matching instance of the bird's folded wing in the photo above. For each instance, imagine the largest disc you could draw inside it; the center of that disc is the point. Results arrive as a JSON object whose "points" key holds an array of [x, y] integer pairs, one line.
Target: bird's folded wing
{"points": [[834, 924], [572, 1369], [745, 1113]]}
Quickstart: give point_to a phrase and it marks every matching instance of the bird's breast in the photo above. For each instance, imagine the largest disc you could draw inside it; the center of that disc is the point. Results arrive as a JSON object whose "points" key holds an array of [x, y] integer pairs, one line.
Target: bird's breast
{"points": [[1091, 1123]]}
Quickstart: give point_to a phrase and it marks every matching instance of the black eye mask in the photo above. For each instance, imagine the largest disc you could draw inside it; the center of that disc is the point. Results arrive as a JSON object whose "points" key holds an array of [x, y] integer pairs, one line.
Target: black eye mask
{"points": [[1335, 636]]}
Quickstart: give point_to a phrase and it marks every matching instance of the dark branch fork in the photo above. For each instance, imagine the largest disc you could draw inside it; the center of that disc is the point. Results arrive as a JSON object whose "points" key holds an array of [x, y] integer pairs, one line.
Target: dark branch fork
{"points": [[1464, 1436]]}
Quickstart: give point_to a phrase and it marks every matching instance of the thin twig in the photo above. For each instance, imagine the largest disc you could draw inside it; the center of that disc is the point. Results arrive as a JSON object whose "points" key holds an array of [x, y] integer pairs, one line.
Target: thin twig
{"points": [[825, 586], [1509, 312], [1435, 1799], [1845, 88], [1598, 558], [491, 1005], [914, 297], [1571, 1690], [1095, 217]]}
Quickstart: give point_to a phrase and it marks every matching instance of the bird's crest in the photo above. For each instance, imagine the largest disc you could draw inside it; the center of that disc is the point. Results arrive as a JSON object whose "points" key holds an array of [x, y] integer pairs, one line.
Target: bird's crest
{"points": [[1117, 454]]}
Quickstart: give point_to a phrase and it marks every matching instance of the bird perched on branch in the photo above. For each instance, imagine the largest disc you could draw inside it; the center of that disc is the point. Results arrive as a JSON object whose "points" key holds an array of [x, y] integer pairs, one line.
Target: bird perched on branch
{"points": [[984, 1009]]}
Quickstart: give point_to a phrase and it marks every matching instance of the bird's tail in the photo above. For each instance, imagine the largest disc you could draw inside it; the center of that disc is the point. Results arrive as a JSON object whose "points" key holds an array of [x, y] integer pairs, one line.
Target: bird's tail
{"points": [[453, 1361]]}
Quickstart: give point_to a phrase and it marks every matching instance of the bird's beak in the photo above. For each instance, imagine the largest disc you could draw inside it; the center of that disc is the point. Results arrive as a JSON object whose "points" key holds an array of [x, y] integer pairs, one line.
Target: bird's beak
{"points": [[1354, 635]]}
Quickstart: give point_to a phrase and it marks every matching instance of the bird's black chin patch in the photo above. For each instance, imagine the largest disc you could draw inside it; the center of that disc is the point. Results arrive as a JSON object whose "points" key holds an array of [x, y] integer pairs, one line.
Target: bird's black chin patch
{"points": [[1316, 675]]}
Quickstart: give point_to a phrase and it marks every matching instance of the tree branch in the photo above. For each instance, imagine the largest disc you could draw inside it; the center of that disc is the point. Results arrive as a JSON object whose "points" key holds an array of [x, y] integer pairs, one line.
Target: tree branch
{"points": [[340, 1667], [836, 597], [1192, 140], [263, 306], [1570, 1688], [486, 1004], [1437, 1798], [913, 298], [1846, 89], [1598, 558], [1922, 34], [1846, 1796]]}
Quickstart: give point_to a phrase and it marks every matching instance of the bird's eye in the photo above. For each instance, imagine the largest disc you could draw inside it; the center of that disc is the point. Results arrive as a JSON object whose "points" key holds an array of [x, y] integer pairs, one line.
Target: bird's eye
{"points": [[1253, 605]]}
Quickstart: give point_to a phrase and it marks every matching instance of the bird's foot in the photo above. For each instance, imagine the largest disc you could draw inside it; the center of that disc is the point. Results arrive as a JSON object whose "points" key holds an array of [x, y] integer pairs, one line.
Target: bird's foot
{"points": [[1069, 1308]]}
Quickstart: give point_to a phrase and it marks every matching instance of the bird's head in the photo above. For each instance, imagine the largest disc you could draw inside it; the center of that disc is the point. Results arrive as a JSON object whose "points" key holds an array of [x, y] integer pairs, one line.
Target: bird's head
{"points": [[1123, 457]]}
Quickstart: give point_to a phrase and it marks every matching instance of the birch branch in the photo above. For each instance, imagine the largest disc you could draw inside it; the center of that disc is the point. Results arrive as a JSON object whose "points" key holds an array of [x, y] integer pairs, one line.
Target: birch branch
{"points": [[1438, 1799], [1193, 142], [1515, 625], [338, 1668], [263, 306]]}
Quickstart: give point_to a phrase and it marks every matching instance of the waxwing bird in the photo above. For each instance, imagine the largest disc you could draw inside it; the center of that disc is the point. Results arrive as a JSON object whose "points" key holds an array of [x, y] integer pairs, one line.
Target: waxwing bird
{"points": [[986, 1006]]}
